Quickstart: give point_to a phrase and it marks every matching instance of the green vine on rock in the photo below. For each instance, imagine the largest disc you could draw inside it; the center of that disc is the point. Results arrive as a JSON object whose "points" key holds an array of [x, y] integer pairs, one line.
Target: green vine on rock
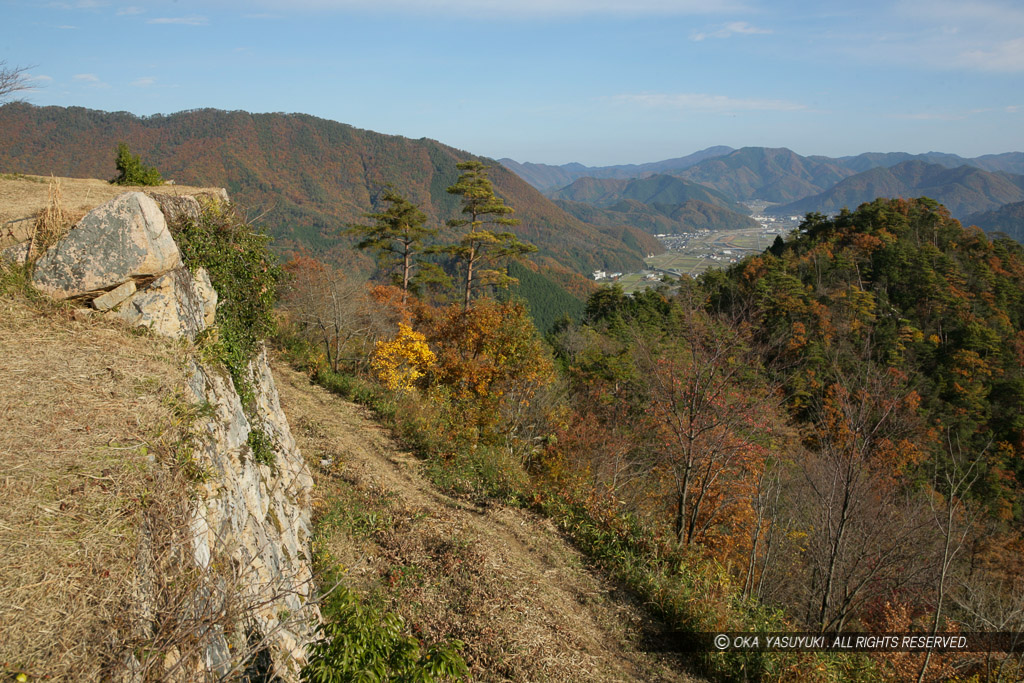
{"points": [[246, 276]]}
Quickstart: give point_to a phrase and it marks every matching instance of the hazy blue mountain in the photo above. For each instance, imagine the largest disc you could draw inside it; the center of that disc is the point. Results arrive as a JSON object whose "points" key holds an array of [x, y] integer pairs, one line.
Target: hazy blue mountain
{"points": [[546, 177]]}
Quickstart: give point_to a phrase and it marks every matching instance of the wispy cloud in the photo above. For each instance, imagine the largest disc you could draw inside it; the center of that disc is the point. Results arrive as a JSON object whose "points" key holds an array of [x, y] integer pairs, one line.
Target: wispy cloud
{"points": [[982, 35], [554, 8], [180, 21], [129, 11], [80, 4], [702, 102], [92, 80], [735, 28], [928, 116], [1006, 56], [67, 27], [144, 82]]}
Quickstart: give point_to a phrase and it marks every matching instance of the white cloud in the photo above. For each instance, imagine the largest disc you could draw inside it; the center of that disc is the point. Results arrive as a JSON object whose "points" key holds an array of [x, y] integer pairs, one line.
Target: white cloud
{"points": [[41, 78], [144, 81], [180, 21], [67, 27], [129, 11], [701, 102], [735, 28]]}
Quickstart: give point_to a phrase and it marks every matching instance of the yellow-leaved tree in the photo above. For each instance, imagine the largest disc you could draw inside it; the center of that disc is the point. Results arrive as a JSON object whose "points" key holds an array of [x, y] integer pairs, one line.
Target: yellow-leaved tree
{"points": [[401, 361]]}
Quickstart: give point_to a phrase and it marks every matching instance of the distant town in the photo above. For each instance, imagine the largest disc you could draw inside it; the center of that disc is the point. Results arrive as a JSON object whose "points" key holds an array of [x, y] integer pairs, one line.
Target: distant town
{"points": [[692, 253]]}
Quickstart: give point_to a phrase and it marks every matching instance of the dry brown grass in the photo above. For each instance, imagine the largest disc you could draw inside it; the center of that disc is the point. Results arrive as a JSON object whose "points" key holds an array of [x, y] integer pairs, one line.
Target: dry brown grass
{"points": [[500, 579], [52, 223], [88, 415], [24, 197]]}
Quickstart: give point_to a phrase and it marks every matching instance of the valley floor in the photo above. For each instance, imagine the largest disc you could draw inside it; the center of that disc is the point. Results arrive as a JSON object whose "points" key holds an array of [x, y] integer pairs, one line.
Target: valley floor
{"points": [[500, 579]]}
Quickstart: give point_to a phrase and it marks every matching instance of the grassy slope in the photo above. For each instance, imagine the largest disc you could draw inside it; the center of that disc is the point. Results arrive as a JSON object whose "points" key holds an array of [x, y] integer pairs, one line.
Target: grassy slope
{"points": [[499, 578], [82, 405]]}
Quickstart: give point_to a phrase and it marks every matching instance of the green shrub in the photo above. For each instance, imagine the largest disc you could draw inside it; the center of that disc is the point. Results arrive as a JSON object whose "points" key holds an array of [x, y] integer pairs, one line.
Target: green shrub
{"points": [[362, 643], [131, 170], [246, 276], [262, 446]]}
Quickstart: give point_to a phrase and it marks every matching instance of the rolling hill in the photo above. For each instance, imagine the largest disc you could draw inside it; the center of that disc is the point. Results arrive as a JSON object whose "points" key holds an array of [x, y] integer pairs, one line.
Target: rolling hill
{"points": [[773, 175], [310, 176], [656, 204], [660, 218], [655, 189], [963, 190]]}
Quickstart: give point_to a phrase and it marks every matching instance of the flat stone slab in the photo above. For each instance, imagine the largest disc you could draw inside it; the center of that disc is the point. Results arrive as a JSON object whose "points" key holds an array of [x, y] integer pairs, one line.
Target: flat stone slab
{"points": [[124, 239], [114, 296]]}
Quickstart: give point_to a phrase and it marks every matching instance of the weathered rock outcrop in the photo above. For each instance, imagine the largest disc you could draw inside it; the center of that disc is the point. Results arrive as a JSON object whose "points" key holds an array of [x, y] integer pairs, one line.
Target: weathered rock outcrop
{"points": [[255, 511], [125, 239]]}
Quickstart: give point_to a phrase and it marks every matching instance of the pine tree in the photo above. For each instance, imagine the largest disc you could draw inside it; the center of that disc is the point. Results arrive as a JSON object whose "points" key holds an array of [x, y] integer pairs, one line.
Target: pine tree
{"points": [[131, 170], [480, 246], [396, 236]]}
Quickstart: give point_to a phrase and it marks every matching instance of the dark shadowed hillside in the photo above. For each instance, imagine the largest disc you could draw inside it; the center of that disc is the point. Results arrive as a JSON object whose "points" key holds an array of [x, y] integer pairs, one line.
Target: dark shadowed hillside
{"points": [[1008, 219], [311, 176]]}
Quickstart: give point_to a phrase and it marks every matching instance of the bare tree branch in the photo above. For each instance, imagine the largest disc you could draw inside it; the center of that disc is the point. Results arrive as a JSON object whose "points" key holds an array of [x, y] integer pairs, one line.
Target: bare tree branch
{"points": [[12, 80]]}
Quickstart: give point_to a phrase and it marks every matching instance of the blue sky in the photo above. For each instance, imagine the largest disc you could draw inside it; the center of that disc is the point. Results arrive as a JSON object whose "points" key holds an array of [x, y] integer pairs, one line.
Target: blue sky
{"points": [[553, 81]]}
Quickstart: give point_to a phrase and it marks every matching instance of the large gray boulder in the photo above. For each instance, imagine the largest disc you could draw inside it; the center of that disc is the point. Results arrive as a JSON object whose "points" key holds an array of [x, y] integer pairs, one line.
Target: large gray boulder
{"points": [[125, 239]]}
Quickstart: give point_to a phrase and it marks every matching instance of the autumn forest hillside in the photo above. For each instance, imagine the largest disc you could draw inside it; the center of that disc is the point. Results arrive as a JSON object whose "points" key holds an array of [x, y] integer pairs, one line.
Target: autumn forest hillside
{"points": [[826, 436], [307, 177]]}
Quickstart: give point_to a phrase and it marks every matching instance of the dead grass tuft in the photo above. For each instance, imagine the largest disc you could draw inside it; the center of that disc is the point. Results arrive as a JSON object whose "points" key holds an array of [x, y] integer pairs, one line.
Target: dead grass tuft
{"points": [[53, 222]]}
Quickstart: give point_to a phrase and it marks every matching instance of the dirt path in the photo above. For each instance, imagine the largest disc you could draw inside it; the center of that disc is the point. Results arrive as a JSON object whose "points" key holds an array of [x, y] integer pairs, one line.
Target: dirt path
{"points": [[500, 579]]}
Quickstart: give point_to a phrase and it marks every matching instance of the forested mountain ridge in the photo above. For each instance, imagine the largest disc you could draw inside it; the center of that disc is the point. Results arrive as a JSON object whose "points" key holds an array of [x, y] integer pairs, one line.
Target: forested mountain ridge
{"points": [[773, 175], [311, 176], [900, 286], [963, 190], [839, 419]]}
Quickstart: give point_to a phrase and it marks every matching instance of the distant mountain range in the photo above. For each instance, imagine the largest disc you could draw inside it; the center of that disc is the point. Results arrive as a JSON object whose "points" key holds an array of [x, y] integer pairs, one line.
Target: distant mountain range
{"points": [[963, 190], [546, 177], [792, 183], [311, 176]]}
